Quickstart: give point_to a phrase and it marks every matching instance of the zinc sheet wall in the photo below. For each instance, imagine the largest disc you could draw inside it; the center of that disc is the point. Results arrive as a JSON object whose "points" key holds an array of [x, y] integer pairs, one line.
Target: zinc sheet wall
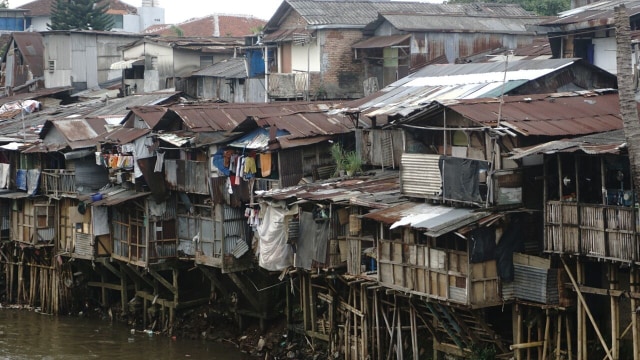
{"points": [[420, 175]]}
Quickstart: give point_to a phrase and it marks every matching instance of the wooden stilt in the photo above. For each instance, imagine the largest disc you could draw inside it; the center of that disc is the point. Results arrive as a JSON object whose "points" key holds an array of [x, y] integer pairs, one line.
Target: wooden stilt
{"points": [[529, 326], [615, 326], [581, 334], [518, 353], [569, 339], [558, 336], [540, 334], [376, 308], [634, 314], [586, 309], [546, 336]]}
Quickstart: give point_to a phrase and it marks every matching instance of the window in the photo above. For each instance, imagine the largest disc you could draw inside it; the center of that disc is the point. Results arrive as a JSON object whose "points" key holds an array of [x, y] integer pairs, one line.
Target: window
{"points": [[52, 65], [206, 61], [117, 21]]}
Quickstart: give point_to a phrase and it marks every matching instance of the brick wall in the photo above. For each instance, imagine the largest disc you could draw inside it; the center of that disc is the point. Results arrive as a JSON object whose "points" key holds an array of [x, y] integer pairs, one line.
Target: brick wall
{"points": [[341, 76]]}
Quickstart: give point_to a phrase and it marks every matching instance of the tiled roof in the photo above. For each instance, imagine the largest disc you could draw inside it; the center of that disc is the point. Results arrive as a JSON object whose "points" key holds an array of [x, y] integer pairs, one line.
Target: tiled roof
{"points": [[43, 7], [212, 25]]}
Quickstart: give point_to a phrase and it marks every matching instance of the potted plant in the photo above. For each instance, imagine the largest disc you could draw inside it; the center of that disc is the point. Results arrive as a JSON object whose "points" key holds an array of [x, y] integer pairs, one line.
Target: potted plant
{"points": [[352, 163]]}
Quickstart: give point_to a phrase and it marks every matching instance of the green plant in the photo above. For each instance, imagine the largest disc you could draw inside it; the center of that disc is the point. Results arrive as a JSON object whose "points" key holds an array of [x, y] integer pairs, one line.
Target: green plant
{"points": [[337, 153], [352, 162]]}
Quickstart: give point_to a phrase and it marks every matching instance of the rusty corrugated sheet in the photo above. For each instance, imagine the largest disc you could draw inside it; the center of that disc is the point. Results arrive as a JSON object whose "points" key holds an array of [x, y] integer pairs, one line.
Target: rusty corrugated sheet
{"points": [[32, 49], [611, 142], [308, 124], [340, 190], [593, 15], [455, 81], [125, 135], [551, 115], [479, 23], [300, 119], [150, 114], [381, 41]]}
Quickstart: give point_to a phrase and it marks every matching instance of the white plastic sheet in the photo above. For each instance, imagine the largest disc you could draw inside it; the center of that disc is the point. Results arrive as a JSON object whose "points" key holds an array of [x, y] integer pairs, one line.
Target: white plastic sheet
{"points": [[275, 253]]}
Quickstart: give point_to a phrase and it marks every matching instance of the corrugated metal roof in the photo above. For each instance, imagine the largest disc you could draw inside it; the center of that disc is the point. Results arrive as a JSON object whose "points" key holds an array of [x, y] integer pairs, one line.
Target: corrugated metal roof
{"points": [[78, 133], [286, 34], [597, 14], [461, 23], [226, 117], [381, 41], [610, 142], [118, 197], [32, 49], [120, 106], [338, 190], [229, 68], [452, 81], [426, 216], [125, 135], [360, 13], [305, 124], [550, 115], [151, 115]]}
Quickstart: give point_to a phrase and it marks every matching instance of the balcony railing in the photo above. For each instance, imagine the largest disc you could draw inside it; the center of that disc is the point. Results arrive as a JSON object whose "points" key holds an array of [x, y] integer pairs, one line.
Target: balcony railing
{"points": [[58, 181], [287, 85], [601, 231]]}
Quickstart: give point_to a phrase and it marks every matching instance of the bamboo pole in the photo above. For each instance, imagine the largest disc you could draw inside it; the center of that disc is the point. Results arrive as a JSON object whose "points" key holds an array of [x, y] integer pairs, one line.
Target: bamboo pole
{"points": [[527, 345], [546, 336], [586, 309]]}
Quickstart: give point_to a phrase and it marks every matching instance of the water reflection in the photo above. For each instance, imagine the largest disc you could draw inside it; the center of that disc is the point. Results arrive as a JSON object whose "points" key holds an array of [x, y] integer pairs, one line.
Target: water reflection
{"points": [[29, 335]]}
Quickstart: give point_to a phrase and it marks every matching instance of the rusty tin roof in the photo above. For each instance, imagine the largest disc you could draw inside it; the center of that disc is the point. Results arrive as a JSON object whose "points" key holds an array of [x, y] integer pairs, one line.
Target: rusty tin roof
{"points": [[549, 115]]}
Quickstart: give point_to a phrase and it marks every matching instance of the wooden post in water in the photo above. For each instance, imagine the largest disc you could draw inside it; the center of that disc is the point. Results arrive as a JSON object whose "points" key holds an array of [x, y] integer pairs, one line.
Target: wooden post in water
{"points": [[615, 310]]}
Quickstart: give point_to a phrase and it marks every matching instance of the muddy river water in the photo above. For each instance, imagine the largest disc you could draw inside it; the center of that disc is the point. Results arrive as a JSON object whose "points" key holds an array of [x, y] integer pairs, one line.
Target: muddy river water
{"points": [[29, 335]]}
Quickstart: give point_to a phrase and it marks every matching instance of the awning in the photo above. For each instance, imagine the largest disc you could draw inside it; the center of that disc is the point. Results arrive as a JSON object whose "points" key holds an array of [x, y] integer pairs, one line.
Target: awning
{"points": [[13, 194], [381, 41], [118, 198], [437, 220], [127, 64]]}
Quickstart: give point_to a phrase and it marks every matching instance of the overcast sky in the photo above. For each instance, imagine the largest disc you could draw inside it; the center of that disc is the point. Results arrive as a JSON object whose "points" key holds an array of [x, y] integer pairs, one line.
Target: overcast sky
{"points": [[176, 11]]}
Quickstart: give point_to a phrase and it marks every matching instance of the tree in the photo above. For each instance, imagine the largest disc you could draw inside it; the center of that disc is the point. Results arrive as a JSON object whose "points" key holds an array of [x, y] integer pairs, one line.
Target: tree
{"points": [[628, 104], [540, 7], [80, 15], [4, 4]]}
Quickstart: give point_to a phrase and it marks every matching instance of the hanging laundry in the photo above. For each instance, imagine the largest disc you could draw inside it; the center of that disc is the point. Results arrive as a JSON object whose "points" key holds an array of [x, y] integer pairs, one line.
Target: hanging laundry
{"points": [[227, 157], [98, 158], [265, 164], [249, 167]]}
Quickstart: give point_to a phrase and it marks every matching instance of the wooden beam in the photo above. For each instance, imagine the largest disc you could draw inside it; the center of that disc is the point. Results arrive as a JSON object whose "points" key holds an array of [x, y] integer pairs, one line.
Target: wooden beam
{"points": [[598, 291], [586, 309], [214, 279], [106, 263], [162, 281], [247, 294], [136, 276], [105, 285]]}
